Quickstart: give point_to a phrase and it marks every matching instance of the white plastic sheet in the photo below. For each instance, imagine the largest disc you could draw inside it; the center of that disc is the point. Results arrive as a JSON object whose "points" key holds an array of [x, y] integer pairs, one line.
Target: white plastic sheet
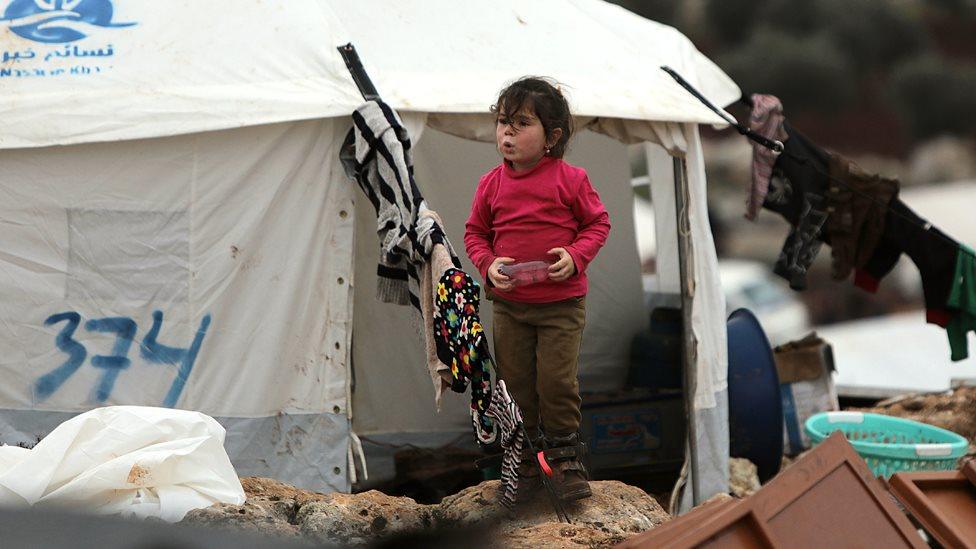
{"points": [[129, 460]]}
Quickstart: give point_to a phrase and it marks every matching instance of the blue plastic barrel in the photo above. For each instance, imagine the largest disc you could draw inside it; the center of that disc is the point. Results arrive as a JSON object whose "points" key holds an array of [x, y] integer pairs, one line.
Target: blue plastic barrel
{"points": [[755, 408]]}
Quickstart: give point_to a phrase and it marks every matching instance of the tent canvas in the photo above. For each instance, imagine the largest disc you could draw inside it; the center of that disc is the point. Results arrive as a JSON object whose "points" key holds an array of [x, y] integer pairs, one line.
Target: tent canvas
{"points": [[177, 229]]}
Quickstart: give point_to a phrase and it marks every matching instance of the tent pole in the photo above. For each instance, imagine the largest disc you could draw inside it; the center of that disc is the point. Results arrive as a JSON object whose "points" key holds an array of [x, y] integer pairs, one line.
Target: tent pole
{"points": [[688, 344]]}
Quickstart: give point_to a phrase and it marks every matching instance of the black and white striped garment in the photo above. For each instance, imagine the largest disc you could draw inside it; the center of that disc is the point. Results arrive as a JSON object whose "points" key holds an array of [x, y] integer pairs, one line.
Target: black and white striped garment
{"points": [[507, 422], [377, 154]]}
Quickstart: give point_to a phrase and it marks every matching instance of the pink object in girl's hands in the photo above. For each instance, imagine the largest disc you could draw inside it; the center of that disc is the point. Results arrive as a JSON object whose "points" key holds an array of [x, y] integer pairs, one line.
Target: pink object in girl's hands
{"points": [[526, 273]]}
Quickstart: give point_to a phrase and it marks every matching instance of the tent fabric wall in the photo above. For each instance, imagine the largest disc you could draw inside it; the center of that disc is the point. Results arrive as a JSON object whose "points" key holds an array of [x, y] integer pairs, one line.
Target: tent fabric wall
{"points": [[189, 67], [178, 68], [393, 392], [147, 246]]}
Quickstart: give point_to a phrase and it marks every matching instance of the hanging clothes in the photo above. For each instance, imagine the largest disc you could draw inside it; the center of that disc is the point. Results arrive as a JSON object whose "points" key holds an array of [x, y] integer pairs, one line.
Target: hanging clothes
{"points": [[933, 252], [430, 276], [461, 343], [796, 192], [857, 203], [826, 198], [962, 303], [507, 421], [766, 118], [377, 154]]}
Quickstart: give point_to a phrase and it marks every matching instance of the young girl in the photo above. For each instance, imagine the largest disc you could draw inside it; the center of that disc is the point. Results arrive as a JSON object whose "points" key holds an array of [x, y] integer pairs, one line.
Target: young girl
{"points": [[535, 206]]}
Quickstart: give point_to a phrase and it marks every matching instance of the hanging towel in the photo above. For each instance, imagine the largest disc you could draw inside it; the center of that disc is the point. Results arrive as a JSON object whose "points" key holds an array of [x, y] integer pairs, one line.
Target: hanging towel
{"points": [[431, 273], [766, 119], [962, 303]]}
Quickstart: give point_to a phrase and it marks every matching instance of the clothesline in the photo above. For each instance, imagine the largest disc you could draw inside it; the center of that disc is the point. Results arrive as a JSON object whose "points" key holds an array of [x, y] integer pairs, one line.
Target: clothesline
{"points": [[777, 147]]}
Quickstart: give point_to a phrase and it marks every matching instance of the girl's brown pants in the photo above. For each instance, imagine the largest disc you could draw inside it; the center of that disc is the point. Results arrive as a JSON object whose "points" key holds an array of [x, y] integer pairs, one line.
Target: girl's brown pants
{"points": [[536, 350]]}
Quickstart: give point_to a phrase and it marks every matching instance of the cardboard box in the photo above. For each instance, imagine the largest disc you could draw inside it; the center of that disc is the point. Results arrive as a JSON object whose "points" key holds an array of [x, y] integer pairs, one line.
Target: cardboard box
{"points": [[805, 370]]}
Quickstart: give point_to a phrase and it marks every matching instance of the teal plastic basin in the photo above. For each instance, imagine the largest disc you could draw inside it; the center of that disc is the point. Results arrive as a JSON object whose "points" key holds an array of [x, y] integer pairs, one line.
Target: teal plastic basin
{"points": [[890, 444]]}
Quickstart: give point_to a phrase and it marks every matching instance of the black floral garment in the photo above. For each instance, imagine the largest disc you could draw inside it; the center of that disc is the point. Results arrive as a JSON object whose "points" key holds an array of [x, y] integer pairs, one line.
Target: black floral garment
{"points": [[461, 343]]}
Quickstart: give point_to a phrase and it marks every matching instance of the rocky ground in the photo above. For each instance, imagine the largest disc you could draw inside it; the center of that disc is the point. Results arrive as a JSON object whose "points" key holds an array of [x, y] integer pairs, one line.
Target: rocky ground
{"points": [[615, 512], [472, 518]]}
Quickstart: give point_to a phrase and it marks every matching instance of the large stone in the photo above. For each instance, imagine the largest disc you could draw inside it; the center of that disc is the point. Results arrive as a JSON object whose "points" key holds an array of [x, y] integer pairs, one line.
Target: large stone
{"points": [[360, 518], [743, 477], [553, 535], [248, 517], [269, 489], [615, 508]]}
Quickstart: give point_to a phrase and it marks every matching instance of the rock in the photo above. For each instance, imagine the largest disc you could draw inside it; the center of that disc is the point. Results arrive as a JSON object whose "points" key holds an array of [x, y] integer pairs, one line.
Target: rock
{"points": [[743, 477], [248, 517], [473, 505], [615, 508], [361, 518], [717, 498], [614, 512], [269, 489], [271, 508], [556, 535]]}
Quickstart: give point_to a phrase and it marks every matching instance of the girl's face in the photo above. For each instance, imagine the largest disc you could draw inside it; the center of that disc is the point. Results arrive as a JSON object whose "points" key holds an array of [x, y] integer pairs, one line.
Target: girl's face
{"points": [[521, 139]]}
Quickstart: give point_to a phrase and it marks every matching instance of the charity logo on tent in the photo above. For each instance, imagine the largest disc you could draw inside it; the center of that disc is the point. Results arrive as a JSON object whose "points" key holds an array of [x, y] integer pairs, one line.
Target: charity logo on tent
{"points": [[59, 21]]}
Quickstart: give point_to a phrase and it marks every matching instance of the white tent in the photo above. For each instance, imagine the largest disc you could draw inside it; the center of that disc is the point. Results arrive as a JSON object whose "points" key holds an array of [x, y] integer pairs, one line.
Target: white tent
{"points": [[176, 228]]}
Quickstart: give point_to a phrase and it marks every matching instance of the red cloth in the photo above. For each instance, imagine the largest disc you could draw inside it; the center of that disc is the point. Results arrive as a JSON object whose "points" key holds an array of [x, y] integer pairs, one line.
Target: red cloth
{"points": [[523, 215]]}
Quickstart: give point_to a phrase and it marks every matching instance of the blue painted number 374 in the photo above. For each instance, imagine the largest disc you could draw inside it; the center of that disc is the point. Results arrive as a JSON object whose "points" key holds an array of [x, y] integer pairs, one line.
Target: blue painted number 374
{"points": [[112, 364]]}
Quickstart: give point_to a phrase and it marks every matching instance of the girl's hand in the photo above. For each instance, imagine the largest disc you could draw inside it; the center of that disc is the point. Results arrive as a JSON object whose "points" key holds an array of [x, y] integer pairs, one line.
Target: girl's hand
{"points": [[562, 269], [500, 281]]}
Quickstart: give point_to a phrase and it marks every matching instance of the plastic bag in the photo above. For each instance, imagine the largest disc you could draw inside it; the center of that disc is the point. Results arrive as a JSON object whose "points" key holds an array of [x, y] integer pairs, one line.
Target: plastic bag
{"points": [[129, 460]]}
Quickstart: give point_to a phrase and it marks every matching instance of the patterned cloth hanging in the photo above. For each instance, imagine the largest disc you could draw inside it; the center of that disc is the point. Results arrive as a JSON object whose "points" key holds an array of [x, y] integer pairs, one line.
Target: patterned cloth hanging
{"points": [[461, 343], [507, 421]]}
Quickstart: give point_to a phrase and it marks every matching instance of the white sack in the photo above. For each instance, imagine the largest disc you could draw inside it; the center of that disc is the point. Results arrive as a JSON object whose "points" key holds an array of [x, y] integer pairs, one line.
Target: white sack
{"points": [[130, 460]]}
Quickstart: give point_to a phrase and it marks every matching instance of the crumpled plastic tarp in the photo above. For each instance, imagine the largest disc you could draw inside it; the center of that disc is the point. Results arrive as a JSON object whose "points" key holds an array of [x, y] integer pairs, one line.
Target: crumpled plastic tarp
{"points": [[130, 460]]}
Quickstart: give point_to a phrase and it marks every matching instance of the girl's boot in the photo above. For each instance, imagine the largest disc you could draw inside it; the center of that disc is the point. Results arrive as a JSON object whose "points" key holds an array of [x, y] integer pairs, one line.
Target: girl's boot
{"points": [[569, 476]]}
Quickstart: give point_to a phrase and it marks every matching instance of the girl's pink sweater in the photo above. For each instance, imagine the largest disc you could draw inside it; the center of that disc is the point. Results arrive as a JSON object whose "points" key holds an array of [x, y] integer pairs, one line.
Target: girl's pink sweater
{"points": [[524, 214]]}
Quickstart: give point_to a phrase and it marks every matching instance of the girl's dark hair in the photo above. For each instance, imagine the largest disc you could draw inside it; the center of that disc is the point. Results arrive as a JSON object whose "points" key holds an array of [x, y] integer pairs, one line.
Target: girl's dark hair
{"points": [[542, 96]]}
